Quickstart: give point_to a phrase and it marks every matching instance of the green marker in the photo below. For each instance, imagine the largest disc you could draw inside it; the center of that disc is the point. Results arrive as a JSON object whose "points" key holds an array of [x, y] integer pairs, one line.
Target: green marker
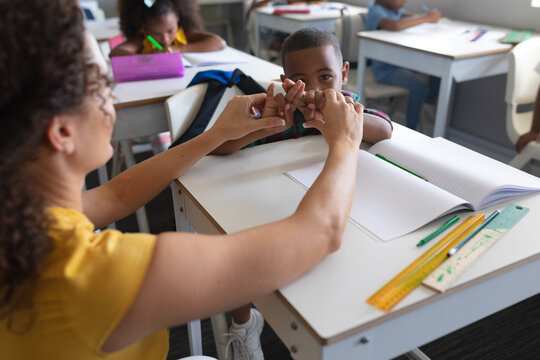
{"points": [[401, 167], [443, 227], [156, 44]]}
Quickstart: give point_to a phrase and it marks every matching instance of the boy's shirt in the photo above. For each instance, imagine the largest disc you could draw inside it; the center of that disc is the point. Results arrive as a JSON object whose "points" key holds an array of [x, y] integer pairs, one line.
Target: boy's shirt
{"points": [[297, 128], [374, 16]]}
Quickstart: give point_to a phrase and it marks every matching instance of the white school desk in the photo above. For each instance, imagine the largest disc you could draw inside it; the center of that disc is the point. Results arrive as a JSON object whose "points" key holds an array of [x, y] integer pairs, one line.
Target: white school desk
{"points": [[443, 49], [103, 30], [323, 314], [139, 104], [322, 17]]}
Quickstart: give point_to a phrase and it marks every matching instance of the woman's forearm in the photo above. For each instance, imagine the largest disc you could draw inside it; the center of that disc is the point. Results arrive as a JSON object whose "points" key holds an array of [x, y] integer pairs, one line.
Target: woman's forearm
{"points": [[139, 184]]}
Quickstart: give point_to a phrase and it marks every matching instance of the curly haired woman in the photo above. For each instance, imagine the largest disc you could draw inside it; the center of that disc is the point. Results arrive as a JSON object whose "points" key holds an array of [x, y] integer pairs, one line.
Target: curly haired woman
{"points": [[68, 292]]}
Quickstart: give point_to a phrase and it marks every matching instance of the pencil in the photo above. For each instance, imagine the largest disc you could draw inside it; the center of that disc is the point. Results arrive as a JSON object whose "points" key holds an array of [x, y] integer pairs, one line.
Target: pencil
{"points": [[473, 233], [156, 44], [443, 227], [401, 167]]}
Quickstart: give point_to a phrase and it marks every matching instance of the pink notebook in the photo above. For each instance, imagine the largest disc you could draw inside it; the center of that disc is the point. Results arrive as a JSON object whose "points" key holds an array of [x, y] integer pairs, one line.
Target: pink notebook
{"points": [[147, 67]]}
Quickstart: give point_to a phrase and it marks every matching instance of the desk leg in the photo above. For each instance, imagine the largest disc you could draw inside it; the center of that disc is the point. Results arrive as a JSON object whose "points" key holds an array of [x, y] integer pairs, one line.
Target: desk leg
{"points": [[417, 354], [219, 329], [142, 219], [361, 75], [194, 327], [257, 35], [443, 102]]}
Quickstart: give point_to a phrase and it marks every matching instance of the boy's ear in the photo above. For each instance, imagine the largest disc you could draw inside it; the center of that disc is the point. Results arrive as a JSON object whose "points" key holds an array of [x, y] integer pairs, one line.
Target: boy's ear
{"points": [[60, 134], [282, 77], [345, 72]]}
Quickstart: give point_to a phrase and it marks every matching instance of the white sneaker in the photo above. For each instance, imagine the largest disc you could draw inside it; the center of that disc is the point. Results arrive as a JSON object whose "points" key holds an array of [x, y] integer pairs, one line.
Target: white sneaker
{"points": [[246, 338]]}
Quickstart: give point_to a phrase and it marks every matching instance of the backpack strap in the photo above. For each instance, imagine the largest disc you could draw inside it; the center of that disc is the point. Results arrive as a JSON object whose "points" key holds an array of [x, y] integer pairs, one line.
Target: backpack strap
{"points": [[218, 81]]}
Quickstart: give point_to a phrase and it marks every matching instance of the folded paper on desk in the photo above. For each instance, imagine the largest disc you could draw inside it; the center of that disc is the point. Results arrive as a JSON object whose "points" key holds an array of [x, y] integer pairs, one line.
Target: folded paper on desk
{"points": [[147, 67], [390, 202], [225, 56]]}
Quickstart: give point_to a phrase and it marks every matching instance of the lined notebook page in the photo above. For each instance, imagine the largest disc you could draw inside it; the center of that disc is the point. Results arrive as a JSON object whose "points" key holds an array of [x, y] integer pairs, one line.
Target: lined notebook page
{"points": [[388, 201], [476, 178]]}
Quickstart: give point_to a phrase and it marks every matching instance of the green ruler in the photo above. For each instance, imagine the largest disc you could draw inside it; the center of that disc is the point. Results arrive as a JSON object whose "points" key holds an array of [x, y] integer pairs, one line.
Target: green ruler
{"points": [[441, 278]]}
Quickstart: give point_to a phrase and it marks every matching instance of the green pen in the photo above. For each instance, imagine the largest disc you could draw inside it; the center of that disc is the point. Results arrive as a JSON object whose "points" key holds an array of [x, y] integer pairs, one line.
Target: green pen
{"points": [[443, 227], [156, 44], [399, 166]]}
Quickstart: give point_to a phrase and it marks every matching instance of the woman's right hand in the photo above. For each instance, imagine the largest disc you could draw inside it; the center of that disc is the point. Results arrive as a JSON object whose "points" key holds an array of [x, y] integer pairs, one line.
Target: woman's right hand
{"points": [[235, 121], [343, 119]]}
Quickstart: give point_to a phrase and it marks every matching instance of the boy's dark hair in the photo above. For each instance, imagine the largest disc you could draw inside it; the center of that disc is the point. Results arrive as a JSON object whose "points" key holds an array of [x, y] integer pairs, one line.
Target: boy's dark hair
{"points": [[133, 14], [308, 38]]}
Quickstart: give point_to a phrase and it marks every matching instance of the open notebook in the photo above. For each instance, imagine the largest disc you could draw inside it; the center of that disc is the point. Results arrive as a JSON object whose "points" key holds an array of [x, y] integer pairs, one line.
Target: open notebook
{"points": [[210, 58], [390, 202]]}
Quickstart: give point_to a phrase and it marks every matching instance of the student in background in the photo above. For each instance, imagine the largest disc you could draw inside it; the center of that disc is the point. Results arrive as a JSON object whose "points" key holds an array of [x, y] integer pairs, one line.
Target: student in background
{"points": [[534, 133], [390, 15], [312, 63], [67, 291], [175, 25]]}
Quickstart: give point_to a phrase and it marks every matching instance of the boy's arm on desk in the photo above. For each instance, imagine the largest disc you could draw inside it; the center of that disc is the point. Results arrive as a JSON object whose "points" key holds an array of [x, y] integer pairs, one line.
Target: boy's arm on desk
{"points": [[409, 21]]}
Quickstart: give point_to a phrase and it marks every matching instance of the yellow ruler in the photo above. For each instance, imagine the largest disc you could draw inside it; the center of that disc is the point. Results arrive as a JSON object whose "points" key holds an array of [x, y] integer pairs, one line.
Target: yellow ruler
{"points": [[410, 277], [441, 278]]}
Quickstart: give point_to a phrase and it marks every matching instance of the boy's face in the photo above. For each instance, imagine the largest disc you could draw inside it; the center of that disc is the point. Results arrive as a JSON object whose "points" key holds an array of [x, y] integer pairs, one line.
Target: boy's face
{"points": [[319, 68]]}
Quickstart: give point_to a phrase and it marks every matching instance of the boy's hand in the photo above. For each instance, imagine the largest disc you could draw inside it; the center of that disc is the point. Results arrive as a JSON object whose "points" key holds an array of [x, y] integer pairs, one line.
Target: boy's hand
{"points": [[294, 92], [525, 139], [235, 121], [314, 100], [433, 16], [276, 105], [343, 119]]}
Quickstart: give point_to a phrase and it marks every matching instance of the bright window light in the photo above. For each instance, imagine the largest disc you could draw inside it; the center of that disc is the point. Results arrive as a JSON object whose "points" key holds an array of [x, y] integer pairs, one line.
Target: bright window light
{"points": [[535, 3]]}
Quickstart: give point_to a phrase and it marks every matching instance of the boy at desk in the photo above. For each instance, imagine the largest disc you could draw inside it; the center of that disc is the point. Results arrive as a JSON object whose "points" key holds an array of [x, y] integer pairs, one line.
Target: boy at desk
{"points": [[390, 15], [312, 62]]}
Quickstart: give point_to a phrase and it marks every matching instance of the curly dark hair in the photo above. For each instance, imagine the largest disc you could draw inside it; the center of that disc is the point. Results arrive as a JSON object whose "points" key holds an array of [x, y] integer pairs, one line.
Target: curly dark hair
{"points": [[133, 14], [44, 71]]}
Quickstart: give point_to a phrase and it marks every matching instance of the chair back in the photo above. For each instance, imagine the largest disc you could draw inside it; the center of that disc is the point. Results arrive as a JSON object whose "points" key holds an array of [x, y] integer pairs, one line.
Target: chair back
{"points": [[182, 108], [522, 85], [345, 29]]}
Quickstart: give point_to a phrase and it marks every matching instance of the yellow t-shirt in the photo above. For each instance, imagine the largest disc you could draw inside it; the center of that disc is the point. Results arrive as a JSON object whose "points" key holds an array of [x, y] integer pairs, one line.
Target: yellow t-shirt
{"points": [[88, 283], [180, 39]]}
